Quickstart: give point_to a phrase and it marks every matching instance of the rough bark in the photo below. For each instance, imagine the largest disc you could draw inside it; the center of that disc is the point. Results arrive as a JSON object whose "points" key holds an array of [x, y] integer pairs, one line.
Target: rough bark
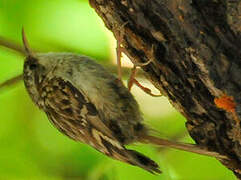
{"points": [[195, 48]]}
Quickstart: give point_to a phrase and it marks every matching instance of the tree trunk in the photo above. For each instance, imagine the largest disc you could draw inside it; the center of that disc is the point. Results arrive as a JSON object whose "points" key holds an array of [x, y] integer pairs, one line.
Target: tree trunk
{"points": [[196, 61]]}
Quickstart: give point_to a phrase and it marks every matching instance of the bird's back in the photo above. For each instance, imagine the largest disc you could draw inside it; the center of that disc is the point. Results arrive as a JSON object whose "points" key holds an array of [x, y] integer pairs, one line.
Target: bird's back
{"points": [[116, 106]]}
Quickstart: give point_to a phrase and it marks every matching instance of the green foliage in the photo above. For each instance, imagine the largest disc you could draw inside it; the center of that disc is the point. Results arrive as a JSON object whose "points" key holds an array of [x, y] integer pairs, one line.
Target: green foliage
{"points": [[31, 148]]}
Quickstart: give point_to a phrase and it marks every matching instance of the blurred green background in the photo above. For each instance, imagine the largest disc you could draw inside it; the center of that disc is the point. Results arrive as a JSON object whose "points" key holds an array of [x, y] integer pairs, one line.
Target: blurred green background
{"points": [[31, 148]]}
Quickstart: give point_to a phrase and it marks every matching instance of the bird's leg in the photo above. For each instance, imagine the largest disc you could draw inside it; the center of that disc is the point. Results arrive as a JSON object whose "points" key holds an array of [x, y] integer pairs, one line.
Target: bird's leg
{"points": [[132, 81], [119, 48], [11, 81], [118, 54]]}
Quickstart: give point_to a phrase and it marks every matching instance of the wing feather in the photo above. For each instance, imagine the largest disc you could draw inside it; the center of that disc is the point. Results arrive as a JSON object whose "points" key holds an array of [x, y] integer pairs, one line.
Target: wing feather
{"points": [[66, 105], [71, 111]]}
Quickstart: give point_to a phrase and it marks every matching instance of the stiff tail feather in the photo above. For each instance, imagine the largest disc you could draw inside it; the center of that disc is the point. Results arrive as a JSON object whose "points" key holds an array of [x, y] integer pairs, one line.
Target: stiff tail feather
{"points": [[181, 146], [143, 161]]}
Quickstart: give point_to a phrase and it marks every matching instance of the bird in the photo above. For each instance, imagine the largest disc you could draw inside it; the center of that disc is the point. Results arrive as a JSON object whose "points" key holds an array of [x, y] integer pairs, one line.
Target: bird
{"points": [[90, 105]]}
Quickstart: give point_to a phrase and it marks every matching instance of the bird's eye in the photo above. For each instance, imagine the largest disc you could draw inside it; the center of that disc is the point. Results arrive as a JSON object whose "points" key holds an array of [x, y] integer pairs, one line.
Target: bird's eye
{"points": [[32, 66]]}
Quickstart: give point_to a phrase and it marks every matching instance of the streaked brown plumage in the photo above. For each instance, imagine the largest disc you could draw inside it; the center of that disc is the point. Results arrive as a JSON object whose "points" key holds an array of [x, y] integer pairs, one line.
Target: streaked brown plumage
{"points": [[90, 105]]}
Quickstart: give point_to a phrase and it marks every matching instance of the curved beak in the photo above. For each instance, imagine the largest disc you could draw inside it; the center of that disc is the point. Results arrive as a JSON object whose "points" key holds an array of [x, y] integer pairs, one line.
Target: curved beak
{"points": [[29, 52]]}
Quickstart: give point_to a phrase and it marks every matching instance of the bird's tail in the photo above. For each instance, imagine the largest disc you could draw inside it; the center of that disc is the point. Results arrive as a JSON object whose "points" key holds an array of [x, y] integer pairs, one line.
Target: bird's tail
{"points": [[138, 159], [181, 146]]}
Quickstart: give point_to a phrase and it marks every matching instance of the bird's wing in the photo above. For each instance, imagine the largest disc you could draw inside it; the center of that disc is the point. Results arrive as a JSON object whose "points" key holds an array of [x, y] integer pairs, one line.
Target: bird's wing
{"points": [[71, 111], [64, 101]]}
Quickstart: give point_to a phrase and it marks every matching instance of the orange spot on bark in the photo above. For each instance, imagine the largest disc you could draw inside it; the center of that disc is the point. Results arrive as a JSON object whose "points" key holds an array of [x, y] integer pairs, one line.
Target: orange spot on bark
{"points": [[225, 102], [181, 18]]}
